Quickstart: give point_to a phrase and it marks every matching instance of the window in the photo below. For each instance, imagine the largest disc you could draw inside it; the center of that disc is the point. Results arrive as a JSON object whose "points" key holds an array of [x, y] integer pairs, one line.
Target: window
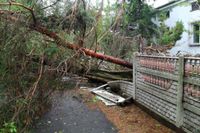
{"points": [[195, 6], [196, 33], [167, 14]]}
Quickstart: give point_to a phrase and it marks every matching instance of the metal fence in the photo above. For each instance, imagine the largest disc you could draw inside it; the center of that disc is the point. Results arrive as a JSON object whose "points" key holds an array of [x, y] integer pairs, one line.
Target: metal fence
{"points": [[170, 87]]}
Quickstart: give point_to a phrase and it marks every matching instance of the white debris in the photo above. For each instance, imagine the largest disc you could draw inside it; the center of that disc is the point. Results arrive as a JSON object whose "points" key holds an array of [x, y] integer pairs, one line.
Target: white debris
{"points": [[107, 102], [109, 96]]}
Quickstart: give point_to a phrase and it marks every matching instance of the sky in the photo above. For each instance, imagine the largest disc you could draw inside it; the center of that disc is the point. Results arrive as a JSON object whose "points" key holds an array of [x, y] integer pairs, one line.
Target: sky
{"points": [[155, 4], [94, 2]]}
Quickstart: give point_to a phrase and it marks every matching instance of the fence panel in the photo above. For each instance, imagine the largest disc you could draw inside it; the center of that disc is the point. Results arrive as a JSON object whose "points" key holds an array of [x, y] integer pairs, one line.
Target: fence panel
{"points": [[170, 87], [191, 100], [156, 85]]}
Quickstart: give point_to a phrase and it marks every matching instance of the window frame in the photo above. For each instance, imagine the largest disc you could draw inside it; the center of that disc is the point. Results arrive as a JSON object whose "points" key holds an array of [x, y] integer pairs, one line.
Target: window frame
{"points": [[192, 42]]}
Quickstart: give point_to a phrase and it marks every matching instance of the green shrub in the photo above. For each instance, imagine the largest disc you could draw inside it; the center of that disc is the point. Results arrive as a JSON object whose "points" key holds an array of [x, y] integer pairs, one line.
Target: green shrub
{"points": [[9, 128]]}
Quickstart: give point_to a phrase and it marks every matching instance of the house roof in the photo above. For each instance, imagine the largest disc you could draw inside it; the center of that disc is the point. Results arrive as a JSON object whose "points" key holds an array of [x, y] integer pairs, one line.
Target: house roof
{"points": [[169, 4]]}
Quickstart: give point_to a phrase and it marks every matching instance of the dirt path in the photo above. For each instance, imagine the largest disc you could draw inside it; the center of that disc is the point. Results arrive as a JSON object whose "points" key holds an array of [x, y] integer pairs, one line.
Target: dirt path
{"points": [[78, 111], [69, 114], [130, 119]]}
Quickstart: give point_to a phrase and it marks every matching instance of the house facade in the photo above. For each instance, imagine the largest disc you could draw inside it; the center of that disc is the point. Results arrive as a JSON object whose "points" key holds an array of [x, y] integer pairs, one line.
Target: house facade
{"points": [[187, 11]]}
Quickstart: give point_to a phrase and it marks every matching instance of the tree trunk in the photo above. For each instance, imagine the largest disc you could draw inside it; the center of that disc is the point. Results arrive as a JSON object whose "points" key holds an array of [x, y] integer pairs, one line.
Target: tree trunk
{"points": [[64, 43], [106, 76]]}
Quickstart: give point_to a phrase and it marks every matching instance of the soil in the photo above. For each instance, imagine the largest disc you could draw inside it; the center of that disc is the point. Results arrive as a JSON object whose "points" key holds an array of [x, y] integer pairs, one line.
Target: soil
{"points": [[129, 119]]}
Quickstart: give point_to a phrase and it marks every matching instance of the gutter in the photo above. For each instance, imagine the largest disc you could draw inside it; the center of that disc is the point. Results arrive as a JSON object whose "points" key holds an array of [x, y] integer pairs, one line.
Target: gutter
{"points": [[170, 4]]}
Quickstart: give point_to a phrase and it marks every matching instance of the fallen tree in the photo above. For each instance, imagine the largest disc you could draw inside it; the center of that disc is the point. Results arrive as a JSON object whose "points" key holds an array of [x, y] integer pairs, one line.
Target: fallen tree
{"points": [[61, 42], [27, 79], [106, 76]]}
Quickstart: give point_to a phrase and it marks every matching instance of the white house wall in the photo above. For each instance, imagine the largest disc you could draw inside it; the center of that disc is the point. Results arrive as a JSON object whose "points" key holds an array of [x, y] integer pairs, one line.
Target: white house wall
{"points": [[182, 12]]}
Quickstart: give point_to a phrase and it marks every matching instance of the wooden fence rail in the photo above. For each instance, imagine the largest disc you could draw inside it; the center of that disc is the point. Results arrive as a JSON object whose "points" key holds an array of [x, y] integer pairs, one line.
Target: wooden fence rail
{"points": [[170, 87]]}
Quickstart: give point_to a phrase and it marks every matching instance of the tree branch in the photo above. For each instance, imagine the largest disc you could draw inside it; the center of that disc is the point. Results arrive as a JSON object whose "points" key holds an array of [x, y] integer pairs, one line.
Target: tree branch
{"points": [[23, 6], [64, 43]]}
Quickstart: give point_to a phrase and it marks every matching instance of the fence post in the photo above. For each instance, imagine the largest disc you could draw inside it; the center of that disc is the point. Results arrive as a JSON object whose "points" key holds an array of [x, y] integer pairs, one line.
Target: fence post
{"points": [[179, 108], [134, 75]]}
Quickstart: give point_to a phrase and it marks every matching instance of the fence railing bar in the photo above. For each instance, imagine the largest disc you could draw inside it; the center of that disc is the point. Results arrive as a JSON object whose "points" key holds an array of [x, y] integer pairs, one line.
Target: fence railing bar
{"points": [[192, 58], [158, 88], [152, 56], [192, 81], [158, 73], [165, 92]]}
